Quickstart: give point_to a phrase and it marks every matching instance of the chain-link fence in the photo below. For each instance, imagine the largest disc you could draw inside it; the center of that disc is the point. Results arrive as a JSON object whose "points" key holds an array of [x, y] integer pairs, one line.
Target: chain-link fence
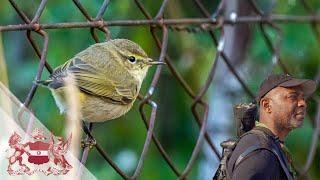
{"points": [[212, 23]]}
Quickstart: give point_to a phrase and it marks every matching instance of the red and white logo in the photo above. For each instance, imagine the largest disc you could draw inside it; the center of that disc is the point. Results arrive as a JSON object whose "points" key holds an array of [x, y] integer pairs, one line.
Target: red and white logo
{"points": [[46, 156]]}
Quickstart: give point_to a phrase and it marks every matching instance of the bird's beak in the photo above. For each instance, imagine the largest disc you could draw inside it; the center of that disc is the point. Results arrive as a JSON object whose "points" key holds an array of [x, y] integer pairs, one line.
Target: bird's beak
{"points": [[152, 62]]}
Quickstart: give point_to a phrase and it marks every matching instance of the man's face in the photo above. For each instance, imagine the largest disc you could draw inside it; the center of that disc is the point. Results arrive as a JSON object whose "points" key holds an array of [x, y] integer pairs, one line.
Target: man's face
{"points": [[288, 107]]}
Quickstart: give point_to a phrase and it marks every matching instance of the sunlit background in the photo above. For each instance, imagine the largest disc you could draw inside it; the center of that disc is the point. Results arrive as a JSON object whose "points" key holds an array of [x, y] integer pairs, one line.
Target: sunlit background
{"points": [[192, 55]]}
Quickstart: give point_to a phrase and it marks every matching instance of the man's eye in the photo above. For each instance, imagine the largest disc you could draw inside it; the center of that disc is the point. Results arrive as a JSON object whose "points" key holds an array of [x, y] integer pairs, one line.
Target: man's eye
{"points": [[132, 59], [293, 97]]}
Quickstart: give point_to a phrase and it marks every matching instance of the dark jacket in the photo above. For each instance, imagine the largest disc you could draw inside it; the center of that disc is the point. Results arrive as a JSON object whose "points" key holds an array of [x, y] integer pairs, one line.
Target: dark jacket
{"points": [[260, 164]]}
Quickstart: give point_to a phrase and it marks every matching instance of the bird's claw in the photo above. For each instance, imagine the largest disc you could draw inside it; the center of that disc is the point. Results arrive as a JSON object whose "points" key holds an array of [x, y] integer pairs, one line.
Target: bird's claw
{"points": [[88, 142]]}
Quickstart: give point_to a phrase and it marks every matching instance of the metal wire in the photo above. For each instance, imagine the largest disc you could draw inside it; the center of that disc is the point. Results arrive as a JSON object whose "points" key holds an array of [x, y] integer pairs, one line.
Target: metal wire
{"points": [[208, 24]]}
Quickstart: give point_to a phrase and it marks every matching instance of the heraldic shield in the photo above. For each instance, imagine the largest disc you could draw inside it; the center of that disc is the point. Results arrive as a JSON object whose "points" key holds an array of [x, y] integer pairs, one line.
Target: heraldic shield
{"points": [[39, 150]]}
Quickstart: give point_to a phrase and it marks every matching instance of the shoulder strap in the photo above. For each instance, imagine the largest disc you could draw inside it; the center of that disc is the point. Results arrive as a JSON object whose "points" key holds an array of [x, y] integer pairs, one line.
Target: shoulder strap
{"points": [[250, 149], [245, 153], [266, 133], [259, 146], [276, 150], [283, 165]]}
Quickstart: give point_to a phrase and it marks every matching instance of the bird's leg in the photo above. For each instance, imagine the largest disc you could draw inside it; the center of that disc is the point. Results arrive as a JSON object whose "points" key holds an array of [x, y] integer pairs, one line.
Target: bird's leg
{"points": [[86, 144], [89, 141]]}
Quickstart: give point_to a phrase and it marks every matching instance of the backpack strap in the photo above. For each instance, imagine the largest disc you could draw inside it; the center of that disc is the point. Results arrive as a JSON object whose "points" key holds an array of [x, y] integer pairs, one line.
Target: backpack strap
{"points": [[263, 146], [249, 150], [276, 140], [277, 151], [283, 165]]}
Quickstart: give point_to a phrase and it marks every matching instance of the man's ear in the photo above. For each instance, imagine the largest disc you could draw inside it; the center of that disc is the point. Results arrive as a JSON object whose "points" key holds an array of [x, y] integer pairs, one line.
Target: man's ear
{"points": [[265, 104]]}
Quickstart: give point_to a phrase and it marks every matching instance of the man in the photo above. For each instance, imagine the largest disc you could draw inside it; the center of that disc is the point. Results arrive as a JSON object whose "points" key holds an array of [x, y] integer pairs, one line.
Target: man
{"points": [[260, 153]]}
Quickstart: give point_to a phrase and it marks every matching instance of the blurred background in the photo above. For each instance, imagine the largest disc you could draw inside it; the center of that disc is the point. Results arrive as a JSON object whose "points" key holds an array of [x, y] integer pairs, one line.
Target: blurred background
{"points": [[192, 54]]}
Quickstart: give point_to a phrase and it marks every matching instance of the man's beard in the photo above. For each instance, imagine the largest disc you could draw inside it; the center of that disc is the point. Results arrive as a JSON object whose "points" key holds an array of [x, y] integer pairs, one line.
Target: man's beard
{"points": [[294, 123], [289, 124]]}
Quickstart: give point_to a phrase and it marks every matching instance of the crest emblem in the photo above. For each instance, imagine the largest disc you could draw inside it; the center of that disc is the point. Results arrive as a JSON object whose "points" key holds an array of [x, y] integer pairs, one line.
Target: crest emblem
{"points": [[39, 150], [38, 155]]}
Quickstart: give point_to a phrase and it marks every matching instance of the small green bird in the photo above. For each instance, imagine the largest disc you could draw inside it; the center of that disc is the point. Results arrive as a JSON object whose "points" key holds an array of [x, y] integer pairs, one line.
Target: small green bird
{"points": [[109, 76]]}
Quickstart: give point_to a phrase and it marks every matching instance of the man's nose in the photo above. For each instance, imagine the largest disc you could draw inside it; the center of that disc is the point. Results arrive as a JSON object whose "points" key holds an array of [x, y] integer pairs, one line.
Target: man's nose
{"points": [[302, 102]]}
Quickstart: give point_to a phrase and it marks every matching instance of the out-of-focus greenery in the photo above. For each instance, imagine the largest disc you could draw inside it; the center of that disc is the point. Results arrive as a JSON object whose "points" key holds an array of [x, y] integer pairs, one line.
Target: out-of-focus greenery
{"points": [[192, 55]]}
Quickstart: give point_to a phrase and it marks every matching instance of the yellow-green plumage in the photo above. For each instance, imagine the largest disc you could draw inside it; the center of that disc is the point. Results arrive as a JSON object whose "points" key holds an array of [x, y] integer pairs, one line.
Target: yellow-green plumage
{"points": [[109, 76]]}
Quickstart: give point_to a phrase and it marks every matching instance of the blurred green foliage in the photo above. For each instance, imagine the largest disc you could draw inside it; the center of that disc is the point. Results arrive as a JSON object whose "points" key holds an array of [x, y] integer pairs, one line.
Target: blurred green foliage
{"points": [[192, 55]]}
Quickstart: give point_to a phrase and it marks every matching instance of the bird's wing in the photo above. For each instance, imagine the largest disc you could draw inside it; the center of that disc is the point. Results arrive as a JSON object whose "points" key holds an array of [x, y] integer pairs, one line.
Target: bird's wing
{"points": [[91, 80]]}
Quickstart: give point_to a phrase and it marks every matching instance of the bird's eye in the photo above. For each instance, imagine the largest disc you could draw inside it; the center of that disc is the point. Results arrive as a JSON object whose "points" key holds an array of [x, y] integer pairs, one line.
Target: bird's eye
{"points": [[132, 59]]}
